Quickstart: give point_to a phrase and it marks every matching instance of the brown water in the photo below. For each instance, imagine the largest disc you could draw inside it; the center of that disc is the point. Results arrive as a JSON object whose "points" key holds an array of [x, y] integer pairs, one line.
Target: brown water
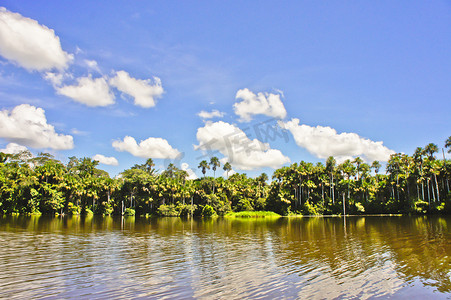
{"points": [[315, 258]]}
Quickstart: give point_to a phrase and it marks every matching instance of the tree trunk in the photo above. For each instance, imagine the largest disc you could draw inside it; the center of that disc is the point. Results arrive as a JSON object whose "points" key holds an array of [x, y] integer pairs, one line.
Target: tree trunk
{"points": [[344, 205], [397, 187], [433, 191], [436, 185], [418, 190], [333, 190], [422, 188], [447, 185]]}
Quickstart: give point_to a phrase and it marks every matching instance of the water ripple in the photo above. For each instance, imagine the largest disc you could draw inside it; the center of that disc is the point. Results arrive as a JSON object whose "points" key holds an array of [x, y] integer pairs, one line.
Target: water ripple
{"points": [[223, 259]]}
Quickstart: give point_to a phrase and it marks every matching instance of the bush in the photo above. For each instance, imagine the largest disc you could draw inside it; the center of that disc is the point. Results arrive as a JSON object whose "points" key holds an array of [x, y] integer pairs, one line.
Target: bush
{"points": [[103, 208], [252, 214], [208, 211], [260, 204], [86, 211], [308, 209], [359, 207], [167, 211], [129, 212], [73, 209], [420, 207], [244, 205], [186, 210]]}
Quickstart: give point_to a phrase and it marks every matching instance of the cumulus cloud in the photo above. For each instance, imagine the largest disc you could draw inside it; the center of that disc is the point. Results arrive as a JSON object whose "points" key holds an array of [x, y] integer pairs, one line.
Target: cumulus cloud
{"points": [[89, 91], [27, 125], [13, 148], [144, 92], [231, 172], [29, 44], [111, 161], [242, 152], [325, 141], [149, 148], [261, 104], [191, 174], [209, 115]]}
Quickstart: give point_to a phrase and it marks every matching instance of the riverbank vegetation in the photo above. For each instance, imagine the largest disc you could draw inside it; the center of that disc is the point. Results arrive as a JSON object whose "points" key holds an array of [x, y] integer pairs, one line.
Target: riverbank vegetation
{"points": [[417, 183]]}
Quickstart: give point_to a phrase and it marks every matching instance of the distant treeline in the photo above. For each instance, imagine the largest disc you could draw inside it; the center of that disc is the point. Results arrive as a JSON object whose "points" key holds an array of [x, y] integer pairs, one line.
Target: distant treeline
{"points": [[411, 184]]}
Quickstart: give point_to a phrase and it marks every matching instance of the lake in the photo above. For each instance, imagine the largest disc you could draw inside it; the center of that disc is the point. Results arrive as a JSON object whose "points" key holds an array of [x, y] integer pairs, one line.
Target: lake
{"points": [[317, 258]]}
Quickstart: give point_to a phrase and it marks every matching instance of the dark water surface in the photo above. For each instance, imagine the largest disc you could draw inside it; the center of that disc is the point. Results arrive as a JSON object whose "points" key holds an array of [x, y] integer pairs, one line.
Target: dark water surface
{"points": [[315, 258]]}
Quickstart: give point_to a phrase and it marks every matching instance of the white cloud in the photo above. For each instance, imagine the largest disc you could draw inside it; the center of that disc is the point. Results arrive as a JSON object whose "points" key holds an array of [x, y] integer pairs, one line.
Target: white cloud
{"points": [[325, 141], [29, 44], [91, 92], [13, 148], [75, 131], [143, 91], [149, 148], [242, 152], [56, 79], [209, 115], [261, 104], [111, 161], [92, 64], [231, 172], [191, 174], [27, 125]]}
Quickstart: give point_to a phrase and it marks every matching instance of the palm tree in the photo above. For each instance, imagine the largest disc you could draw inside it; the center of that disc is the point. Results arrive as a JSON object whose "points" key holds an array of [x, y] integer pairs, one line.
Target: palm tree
{"points": [[376, 165], [330, 167], [149, 165], [358, 162], [204, 166], [448, 144], [430, 149], [418, 159], [348, 169], [214, 163], [227, 168]]}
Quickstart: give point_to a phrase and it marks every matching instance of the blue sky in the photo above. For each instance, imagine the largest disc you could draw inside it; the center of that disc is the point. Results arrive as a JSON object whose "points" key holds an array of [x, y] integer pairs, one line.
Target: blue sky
{"points": [[363, 78]]}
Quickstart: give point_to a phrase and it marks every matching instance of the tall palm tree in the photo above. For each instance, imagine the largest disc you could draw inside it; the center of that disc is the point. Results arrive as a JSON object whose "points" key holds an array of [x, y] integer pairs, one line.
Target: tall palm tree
{"points": [[204, 166], [149, 165], [348, 169], [214, 163], [358, 162], [418, 159], [430, 149], [227, 168], [376, 165], [330, 167]]}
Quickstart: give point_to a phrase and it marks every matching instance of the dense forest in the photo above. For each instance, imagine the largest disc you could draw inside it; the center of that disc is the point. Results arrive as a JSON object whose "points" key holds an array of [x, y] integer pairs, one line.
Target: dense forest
{"points": [[417, 183]]}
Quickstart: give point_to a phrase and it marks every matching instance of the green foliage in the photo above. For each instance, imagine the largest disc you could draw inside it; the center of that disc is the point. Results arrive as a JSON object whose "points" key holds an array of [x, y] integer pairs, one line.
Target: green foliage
{"points": [[86, 212], [73, 209], [252, 214], [360, 208], [186, 210], [244, 205], [168, 211], [208, 211], [129, 212], [421, 207], [260, 204], [43, 184], [309, 209]]}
